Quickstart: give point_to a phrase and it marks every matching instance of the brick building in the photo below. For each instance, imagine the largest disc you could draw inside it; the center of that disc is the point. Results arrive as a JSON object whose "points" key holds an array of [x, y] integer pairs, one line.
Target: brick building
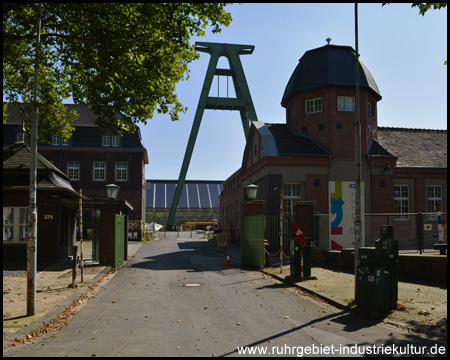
{"points": [[92, 160], [57, 221], [403, 170]]}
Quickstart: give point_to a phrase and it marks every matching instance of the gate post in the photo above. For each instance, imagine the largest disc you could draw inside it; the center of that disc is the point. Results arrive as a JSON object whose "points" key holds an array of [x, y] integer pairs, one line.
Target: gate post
{"points": [[304, 216], [252, 233]]}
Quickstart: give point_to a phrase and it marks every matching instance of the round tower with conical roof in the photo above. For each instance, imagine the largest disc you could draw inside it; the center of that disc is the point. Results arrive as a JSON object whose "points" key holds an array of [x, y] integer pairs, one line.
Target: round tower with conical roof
{"points": [[320, 99]]}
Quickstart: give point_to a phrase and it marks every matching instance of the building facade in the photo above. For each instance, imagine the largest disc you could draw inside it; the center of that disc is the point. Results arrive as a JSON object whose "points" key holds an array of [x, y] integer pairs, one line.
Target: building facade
{"points": [[199, 200], [57, 221], [92, 160], [403, 170]]}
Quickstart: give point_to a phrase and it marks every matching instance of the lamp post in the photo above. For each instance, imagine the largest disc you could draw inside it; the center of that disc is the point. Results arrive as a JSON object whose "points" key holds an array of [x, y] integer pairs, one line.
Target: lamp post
{"points": [[251, 191], [112, 190]]}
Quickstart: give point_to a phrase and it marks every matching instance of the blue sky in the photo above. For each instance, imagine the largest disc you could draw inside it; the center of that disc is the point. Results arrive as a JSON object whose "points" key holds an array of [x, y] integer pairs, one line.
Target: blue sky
{"points": [[403, 50]]}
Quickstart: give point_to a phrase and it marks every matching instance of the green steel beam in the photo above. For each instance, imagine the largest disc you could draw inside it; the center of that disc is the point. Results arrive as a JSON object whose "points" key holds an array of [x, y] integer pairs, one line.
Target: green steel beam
{"points": [[242, 103]]}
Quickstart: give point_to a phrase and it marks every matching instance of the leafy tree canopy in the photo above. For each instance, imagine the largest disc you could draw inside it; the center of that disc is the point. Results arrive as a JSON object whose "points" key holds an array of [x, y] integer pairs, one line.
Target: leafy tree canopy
{"points": [[111, 57], [424, 7]]}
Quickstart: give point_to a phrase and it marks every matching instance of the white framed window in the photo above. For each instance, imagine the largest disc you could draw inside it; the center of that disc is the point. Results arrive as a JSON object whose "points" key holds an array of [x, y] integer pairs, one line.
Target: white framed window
{"points": [[73, 170], [291, 194], [313, 105], [401, 201], [15, 221], [346, 103], [99, 170], [121, 171], [434, 197], [56, 139], [115, 141], [106, 140], [65, 142]]}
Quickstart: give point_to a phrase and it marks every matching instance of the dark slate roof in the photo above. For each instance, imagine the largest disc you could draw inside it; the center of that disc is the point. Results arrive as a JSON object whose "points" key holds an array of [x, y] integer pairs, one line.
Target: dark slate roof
{"points": [[415, 147], [85, 135], [291, 143], [16, 165], [86, 118], [196, 194], [17, 157], [328, 66], [376, 150]]}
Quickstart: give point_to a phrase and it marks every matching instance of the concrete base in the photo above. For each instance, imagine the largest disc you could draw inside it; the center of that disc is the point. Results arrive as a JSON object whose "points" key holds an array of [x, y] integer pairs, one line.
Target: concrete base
{"points": [[428, 269]]}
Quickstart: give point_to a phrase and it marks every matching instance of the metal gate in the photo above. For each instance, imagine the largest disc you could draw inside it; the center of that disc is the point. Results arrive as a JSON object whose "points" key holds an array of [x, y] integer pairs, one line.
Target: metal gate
{"points": [[119, 241], [252, 243], [96, 237]]}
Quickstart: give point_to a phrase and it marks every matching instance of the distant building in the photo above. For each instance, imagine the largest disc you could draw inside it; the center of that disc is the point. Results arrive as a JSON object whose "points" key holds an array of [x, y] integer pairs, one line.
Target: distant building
{"points": [[199, 200], [403, 170]]}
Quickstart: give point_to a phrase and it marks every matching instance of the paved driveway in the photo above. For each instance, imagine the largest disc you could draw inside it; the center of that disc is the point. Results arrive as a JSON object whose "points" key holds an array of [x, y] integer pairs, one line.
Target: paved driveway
{"points": [[176, 298]]}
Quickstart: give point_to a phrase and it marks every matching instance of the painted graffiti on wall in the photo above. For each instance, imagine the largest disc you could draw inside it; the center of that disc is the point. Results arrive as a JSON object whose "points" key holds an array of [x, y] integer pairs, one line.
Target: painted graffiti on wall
{"points": [[342, 207]]}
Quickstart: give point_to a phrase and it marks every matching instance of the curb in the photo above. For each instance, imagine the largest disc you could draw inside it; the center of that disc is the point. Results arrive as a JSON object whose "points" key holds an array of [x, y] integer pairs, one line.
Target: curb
{"points": [[329, 299], [58, 309], [348, 307], [45, 319]]}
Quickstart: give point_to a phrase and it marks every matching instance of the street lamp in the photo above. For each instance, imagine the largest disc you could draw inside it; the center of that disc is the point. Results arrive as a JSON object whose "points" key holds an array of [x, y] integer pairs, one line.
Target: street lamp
{"points": [[251, 190], [112, 190]]}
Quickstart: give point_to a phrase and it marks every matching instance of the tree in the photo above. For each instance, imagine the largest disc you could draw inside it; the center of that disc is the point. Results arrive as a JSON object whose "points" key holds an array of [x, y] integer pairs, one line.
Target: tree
{"points": [[112, 57], [424, 7]]}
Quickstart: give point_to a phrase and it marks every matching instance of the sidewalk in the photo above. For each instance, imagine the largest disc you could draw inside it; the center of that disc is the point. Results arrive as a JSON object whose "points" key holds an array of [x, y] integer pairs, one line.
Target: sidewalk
{"points": [[53, 295], [419, 307]]}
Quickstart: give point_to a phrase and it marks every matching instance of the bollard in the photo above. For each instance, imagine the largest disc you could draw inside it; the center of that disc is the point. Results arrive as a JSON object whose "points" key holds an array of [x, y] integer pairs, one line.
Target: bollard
{"points": [[75, 267]]}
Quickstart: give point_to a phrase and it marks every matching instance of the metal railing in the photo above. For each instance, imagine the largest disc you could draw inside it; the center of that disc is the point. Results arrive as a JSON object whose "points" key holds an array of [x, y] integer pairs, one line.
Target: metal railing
{"points": [[413, 231], [272, 237]]}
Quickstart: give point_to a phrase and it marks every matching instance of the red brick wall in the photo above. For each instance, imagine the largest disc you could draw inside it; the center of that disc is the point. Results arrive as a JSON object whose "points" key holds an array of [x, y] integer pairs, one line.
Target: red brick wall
{"points": [[49, 248], [107, 233], [339, 141], [318, 194], [304, 216], [251, 208], [132, 190]]}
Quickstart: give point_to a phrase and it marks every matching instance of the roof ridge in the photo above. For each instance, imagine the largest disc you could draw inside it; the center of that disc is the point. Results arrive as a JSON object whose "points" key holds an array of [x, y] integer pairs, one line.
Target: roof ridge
{"points": [[392, 128]]}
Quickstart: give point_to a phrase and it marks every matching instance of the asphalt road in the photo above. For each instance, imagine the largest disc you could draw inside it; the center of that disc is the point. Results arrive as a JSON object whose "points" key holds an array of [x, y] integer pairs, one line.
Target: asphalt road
{"points": [[176, 298]]}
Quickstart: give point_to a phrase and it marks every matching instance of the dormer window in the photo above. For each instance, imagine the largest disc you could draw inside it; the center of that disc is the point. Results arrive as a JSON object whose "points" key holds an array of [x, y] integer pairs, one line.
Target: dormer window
{"points": [[313, 105], [106, 141], [65, 142], [56, 139], [115, 141]]}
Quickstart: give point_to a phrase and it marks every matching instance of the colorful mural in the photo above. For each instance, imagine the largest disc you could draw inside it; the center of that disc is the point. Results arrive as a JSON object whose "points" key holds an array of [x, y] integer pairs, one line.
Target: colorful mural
{"points": [[342, 214]]}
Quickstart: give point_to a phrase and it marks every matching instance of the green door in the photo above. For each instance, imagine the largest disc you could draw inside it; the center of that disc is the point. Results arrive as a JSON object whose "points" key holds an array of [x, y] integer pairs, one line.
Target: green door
{"points": [[96, 238], [252, 242], [119, 243]]}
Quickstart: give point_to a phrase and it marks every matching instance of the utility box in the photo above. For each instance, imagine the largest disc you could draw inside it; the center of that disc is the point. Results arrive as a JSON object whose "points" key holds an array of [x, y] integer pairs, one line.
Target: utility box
{"points": [[377, 273], [297, 252]]}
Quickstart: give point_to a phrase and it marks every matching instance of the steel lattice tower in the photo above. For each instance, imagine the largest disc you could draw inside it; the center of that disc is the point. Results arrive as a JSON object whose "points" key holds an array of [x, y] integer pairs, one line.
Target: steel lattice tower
{"points": [[242, 102]]}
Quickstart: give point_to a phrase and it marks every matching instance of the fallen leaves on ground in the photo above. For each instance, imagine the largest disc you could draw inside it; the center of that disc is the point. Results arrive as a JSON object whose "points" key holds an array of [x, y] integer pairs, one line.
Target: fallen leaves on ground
{"points": [[61, 320]]}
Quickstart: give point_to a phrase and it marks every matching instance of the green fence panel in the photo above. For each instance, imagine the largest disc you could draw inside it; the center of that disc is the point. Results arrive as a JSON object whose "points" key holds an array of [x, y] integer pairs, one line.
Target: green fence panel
{"points": [[252, 241], [120, 241]]}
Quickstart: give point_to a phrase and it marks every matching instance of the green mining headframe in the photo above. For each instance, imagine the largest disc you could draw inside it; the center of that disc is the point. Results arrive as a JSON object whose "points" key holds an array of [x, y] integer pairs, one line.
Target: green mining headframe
{"points": [[242, 102]]}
